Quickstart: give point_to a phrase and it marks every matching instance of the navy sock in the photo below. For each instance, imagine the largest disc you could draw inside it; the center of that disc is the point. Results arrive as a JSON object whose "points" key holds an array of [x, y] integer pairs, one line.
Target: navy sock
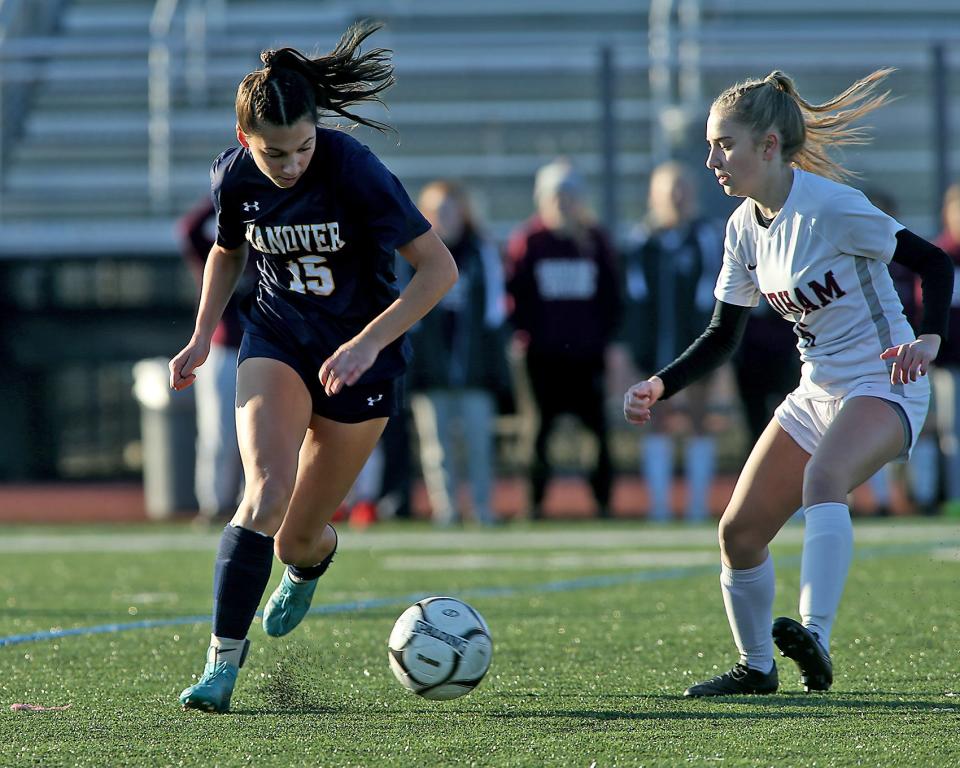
{"points": [[240, 576], [314, 571]]}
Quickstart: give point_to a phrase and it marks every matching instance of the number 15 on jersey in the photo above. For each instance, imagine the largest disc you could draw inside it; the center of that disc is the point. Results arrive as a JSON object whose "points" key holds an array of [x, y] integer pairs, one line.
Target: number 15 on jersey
{"points": [[309, 274]]}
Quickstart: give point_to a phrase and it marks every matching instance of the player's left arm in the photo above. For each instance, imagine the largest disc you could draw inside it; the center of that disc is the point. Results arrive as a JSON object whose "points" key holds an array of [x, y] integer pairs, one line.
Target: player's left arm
{"points": [[935, 269], [435, 272]]}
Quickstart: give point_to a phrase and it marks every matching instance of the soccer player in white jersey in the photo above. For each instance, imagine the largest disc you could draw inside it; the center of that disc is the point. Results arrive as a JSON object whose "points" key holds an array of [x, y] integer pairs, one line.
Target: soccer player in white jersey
{"points": [[817, 251]]}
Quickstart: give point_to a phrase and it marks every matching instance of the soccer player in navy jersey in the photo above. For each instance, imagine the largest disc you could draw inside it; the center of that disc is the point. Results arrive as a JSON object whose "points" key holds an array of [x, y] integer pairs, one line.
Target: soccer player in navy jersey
{"points": [[323, 345], [817, 251]]}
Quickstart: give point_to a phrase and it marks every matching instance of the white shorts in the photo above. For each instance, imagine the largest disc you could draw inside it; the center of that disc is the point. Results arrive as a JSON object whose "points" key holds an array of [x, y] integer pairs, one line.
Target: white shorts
{"points": [[806, 418]]}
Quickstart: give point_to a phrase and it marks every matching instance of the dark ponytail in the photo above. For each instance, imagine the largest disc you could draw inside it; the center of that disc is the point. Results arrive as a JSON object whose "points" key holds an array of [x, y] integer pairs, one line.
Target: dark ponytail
{"points": [[292, 86]]}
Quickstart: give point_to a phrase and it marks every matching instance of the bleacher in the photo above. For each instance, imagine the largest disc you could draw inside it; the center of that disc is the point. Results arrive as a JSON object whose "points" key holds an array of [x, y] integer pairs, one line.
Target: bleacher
{"points": [[486, 92]]}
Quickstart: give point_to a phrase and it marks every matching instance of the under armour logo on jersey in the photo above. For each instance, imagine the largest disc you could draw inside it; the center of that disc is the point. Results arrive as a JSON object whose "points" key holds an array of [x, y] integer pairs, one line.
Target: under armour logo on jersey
{"points": [[254, 206], [371, 401]]}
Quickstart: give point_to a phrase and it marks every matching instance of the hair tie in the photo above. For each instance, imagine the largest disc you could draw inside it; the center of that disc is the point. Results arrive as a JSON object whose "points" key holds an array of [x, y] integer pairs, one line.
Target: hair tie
{"points": [[774, 80]]}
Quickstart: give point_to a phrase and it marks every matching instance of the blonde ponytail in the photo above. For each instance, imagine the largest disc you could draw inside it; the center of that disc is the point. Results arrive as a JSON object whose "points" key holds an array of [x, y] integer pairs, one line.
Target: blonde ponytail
{"points": [[807, 130]]}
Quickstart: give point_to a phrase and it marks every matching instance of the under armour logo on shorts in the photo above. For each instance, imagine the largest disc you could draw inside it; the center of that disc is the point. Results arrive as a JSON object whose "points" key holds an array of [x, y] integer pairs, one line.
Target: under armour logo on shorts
{"points": [[254, 206], [371, 401]]}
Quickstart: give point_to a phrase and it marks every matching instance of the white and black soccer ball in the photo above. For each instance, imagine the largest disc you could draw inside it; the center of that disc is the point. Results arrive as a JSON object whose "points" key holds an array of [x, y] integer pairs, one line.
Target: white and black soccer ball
{"points": [[440, 648]]}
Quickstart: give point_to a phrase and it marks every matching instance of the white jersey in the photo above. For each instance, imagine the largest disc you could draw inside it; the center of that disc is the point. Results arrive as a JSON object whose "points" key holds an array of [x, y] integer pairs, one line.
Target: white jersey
{"points": [[822, 265]]}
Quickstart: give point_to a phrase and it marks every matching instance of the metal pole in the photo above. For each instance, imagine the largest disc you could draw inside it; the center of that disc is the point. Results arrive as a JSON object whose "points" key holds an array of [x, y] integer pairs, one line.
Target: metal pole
{"points": [[195, 37], [661, 92], [159, 87], [608, 139], [2, 132], [690, 82], [941, 125]]}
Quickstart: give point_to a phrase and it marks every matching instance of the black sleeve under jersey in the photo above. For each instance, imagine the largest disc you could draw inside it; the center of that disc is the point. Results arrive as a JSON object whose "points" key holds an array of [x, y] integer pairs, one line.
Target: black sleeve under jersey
{"points": [[936, 279], [711, 350]]}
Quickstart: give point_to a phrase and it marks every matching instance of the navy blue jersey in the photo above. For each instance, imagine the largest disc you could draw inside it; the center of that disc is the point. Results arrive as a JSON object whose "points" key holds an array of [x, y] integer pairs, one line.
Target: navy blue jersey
{"points": [[324, 247]]}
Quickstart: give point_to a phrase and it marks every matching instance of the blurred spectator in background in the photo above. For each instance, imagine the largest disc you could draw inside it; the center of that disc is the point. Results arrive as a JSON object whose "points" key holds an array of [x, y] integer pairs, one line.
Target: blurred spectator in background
{"points": [[459, 369], [219, 472], [765, 366], [565, 290], [670, 276], [945, 374]]}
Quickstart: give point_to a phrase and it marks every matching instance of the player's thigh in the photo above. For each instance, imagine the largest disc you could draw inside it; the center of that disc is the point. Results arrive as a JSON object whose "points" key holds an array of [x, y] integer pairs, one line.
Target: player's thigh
{"points": [[866, 433], [273, 412], [768, 491], [331, 457]]}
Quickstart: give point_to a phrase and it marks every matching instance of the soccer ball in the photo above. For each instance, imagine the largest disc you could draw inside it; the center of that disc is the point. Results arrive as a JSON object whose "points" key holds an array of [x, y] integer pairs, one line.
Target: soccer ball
{"points": [[440, 648]]}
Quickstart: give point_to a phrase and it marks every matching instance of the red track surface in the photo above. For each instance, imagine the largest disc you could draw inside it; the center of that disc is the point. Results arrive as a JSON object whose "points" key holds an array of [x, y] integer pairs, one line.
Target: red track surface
{"points": [[566, 498]]}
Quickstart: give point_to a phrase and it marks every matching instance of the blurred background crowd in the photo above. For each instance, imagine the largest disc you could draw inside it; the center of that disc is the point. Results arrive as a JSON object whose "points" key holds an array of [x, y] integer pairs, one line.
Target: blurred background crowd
{"points": [[556, 147]]}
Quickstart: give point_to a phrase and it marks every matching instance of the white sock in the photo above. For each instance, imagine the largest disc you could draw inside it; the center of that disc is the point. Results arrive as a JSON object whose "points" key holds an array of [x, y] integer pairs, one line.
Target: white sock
{"points": [[698, 467], [748, 598], [827, 552], [226, 649], [658, 472]]}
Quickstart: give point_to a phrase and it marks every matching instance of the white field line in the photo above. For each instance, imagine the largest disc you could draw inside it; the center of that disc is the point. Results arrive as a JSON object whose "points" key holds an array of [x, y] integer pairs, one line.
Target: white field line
{"points": [[556, 562], [616, 537]]}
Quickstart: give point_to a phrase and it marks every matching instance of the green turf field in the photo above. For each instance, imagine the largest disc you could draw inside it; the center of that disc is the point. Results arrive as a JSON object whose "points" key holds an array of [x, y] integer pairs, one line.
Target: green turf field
{"points": [[597, 630]]}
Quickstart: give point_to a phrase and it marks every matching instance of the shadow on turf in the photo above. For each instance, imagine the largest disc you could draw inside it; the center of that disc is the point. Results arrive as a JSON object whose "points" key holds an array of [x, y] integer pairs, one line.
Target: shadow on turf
{"points": [[769, 707]]}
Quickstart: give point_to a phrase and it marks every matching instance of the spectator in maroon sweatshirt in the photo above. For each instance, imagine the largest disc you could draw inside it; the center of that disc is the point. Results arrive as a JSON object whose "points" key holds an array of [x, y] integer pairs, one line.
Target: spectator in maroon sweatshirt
{"points": [[565, 291]]}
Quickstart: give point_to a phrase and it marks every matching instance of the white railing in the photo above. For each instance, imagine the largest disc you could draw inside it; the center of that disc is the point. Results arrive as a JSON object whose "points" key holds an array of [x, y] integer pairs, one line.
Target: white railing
{"points": [[675, 82], [201, 18], [159, 85], [17, 17]]}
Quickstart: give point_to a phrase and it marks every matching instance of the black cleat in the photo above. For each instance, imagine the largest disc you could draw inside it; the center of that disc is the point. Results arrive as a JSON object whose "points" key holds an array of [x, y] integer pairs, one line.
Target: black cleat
{"points": [[797, 642], [739, 680]]}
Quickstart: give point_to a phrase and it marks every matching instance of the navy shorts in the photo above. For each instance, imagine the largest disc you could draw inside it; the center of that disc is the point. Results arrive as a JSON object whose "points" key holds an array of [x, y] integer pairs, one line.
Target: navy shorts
{"points": [[360, 402]]}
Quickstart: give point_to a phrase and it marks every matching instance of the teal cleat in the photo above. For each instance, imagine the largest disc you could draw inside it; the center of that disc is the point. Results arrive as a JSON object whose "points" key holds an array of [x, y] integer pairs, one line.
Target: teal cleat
{"points": [[212, 692], [287, 605]]}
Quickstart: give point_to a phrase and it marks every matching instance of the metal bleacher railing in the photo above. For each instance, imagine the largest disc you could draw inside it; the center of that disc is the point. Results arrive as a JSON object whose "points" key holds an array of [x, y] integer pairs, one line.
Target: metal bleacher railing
{"points": [[618, 96], [108, 124]]}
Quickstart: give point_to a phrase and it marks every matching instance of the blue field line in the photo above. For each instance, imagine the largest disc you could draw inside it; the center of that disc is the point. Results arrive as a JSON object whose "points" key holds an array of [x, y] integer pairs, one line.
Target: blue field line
{"points": [[565, 585]]}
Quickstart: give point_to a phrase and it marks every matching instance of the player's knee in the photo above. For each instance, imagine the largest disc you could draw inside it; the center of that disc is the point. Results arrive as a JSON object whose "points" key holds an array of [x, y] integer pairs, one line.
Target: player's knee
{"points": [[823, 481], [738, 541], [265, 502]]}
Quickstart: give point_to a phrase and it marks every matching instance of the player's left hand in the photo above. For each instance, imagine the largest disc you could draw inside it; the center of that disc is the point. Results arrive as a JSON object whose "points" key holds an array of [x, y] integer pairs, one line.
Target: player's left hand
{"points": [[910, 361], [345, 366]]}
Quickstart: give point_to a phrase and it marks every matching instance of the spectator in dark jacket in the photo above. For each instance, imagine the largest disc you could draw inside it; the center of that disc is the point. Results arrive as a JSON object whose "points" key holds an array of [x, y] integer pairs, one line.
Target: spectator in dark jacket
{"points": [[459, 370], [565, 290], [670, 278]]}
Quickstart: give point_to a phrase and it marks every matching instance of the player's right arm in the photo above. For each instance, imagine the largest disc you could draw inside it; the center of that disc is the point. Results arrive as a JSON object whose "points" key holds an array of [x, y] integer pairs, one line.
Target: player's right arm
{"points": [[220, 276], [711, 350]]}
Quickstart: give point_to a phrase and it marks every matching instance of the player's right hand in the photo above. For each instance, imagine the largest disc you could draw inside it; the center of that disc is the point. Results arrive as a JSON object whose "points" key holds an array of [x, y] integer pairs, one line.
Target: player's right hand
{"points": [[640, 398], [186, 362]]}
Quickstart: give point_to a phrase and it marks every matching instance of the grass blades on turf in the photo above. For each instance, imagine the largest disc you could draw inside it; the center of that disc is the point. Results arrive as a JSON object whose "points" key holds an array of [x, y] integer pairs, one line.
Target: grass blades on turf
{"points": [[597, 630]]}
